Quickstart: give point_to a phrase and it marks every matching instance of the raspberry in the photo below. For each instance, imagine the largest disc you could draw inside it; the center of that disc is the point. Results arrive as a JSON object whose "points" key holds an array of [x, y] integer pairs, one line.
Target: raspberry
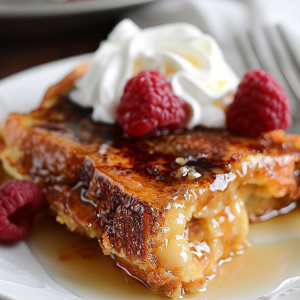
{"points": [[148, 106], [20, 201], [260, 105]]}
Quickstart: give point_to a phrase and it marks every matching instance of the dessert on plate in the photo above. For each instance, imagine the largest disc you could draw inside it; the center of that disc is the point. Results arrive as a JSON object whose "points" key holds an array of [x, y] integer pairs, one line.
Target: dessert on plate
{"points": [[170, 197]]}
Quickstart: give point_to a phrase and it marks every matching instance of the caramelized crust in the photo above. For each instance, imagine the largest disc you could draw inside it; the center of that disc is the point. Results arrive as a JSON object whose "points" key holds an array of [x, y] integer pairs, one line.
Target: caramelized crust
{"points": [[169, 208]]}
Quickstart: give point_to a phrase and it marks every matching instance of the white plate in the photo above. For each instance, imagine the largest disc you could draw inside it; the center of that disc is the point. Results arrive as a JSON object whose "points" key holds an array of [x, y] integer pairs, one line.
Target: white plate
{"points": [[33, 270], [42, 8]]}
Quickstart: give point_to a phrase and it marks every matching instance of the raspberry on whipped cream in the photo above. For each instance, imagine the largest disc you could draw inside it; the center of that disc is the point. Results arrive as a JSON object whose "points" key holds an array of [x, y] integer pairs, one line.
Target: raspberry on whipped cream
{"points": [[148, 106], [190, 60]]}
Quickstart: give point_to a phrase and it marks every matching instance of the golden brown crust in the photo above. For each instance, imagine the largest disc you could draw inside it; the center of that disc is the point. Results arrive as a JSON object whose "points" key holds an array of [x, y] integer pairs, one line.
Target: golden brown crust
{"points": [[65, 85]]}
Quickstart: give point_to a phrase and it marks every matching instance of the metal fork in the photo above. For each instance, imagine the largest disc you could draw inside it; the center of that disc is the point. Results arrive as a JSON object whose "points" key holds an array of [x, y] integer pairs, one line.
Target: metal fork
{"points": [[268, 48]]}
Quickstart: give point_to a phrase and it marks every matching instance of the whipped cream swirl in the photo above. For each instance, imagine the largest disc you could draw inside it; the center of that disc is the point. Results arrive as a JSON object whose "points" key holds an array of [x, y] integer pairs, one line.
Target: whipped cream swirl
{"points": [[192, 62]]}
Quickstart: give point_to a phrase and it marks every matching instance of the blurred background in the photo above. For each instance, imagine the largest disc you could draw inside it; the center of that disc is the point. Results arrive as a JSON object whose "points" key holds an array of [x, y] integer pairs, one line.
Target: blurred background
{"points": [[33, 32]]}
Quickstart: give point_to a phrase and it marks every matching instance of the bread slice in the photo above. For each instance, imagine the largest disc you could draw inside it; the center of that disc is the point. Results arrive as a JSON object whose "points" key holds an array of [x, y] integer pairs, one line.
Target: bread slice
{"points": [[167, 208]]}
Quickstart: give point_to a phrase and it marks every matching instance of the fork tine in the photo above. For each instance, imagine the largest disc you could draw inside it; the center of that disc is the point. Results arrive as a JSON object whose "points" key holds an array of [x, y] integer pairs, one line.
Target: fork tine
{"points": [[249, 57], [285, 61], [265, 54], [292, 50], [261, 44]]}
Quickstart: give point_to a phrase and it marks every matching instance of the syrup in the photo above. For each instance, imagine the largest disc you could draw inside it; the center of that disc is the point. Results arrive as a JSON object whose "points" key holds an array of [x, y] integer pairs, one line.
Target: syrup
{"points": [[79, 265]]}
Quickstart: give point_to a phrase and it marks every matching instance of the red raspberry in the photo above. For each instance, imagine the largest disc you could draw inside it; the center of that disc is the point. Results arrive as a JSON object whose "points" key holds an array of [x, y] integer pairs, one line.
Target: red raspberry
{"points": [[260, 105], [20, 201], [148, 106]]}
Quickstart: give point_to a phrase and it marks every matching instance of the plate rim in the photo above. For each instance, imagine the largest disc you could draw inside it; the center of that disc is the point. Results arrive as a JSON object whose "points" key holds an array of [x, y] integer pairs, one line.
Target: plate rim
{"points": [[23, 11]]}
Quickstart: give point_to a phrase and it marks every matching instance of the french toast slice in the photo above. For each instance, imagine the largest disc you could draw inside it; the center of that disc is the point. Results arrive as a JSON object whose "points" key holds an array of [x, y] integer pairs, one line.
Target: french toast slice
{"points": [[168, 208]]}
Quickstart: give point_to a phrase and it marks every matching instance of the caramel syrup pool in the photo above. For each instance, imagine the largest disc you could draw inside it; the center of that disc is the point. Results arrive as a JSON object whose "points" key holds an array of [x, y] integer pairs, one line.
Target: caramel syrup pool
{"points": [[78, 264]]}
